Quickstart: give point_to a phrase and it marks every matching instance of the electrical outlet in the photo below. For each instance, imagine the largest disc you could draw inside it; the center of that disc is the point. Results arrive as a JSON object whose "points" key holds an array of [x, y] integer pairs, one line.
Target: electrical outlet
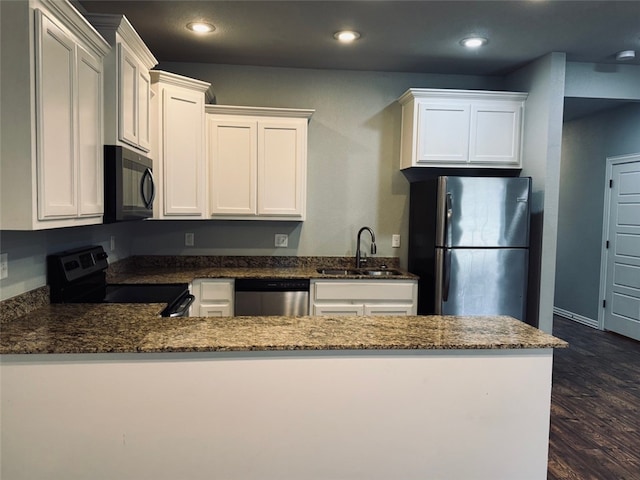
{"points": [[395, 241], [281, 240], [112, 242], [189, 239], [4, 265]]}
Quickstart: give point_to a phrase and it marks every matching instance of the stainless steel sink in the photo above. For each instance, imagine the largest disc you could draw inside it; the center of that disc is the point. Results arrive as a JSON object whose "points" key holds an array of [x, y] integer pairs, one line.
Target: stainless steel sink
{"points": [[373, 272], [337, 271], [382, 272]]}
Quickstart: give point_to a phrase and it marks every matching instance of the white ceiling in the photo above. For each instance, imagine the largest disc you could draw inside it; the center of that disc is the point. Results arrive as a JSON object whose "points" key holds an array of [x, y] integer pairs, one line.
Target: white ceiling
{"points": [[397, 36]]}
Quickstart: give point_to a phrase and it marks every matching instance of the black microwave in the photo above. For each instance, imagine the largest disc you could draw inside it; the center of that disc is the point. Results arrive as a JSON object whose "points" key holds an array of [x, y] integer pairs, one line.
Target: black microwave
{"points": [[129, 187]]}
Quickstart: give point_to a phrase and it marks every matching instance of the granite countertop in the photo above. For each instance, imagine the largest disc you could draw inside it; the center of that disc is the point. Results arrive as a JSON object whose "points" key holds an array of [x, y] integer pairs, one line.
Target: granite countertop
{"points": [[188, 274], [120, 328]]}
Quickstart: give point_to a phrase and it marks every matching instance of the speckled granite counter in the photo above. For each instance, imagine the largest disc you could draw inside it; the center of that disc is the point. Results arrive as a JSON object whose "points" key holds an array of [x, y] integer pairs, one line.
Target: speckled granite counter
{"points": [[114, 328], [186, 273]]}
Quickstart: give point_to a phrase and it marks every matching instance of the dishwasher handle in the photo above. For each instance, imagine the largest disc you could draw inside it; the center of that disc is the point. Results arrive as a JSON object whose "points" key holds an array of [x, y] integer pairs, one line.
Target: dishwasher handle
{"points": [[271, 285]]}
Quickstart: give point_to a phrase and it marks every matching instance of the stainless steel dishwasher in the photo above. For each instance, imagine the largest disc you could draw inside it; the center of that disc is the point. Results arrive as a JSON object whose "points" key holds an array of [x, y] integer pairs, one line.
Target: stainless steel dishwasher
{"points": [[271, 296]]}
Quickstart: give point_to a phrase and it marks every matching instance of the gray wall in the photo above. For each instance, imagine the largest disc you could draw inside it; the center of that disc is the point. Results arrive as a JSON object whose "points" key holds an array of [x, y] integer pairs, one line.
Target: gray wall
{"points": [[586, 144], [28, 250], [591, 80], [544, 80], [353, 160]]}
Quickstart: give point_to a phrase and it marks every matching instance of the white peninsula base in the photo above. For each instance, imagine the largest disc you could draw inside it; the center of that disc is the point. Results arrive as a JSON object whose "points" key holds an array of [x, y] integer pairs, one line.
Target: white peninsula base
{"points": [[304, 415]]}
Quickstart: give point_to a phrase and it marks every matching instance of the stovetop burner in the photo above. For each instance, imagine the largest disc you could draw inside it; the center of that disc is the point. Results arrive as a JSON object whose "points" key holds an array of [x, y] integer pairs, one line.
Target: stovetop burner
{"points": [[79, 276]]}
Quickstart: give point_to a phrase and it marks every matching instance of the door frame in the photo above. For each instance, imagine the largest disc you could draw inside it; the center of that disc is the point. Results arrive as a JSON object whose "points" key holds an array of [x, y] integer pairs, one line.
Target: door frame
{"points": [[611, 161]]}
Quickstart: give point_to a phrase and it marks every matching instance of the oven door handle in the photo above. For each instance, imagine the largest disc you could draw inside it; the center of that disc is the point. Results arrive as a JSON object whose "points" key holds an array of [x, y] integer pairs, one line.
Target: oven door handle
{"points": [[183, 307]]}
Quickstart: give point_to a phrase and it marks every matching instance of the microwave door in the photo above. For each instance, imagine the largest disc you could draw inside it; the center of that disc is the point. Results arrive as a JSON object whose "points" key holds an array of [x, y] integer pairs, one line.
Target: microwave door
{"points": [[129, 187], [147, 189]]}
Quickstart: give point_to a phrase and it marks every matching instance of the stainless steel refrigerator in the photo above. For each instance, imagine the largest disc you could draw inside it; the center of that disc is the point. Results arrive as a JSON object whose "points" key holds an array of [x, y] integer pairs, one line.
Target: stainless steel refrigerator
{"points": [[469, 243]]}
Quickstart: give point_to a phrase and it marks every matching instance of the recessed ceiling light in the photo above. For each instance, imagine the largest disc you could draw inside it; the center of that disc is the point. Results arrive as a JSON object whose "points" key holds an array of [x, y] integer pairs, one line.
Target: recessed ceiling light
{"points": [[473, 42], [626, 55], [346, 36], [200, 27]]}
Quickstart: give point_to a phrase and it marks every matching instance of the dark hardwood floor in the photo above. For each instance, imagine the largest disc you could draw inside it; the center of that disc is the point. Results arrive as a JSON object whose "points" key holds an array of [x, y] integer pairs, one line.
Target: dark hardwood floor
{"points": [[595, 405]]}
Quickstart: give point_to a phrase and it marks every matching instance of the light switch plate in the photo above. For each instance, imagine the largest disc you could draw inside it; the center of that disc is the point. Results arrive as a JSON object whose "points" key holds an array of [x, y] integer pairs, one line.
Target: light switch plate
{"points": [[281, 240], [395, 241], [4, 265], [189, 239]]}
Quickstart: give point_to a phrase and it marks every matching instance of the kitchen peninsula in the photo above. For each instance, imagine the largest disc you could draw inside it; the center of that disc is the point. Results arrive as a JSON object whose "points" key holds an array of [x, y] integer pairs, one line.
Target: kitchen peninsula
{"points": [[114, 391]]}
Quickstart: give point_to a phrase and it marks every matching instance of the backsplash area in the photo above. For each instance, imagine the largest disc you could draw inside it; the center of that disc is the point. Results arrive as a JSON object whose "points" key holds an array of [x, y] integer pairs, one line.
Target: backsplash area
{"points": [[24, 303]]}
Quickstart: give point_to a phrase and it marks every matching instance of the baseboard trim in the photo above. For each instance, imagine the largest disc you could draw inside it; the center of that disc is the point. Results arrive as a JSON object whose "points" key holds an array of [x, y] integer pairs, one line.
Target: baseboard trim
{"points": [[575, 317]]}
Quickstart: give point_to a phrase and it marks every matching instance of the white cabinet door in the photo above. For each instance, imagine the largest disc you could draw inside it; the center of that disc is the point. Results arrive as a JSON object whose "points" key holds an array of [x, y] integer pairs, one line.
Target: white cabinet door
{"points": [[215, 311], [281, 167], [144, 110], [495, 133], [134, 93], [128, 96], [214, 297], [364, 297], [443, 132], [90, 144], [233, 163], [389, 309], [56, 152], [339, 309], [184, 178]]}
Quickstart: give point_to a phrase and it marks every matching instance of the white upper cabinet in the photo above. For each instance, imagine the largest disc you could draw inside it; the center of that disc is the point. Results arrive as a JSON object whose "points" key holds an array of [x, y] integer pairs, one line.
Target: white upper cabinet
{"points": [[127, 83], [258, 162], [179, 146], [461, 128], [52, 117]]}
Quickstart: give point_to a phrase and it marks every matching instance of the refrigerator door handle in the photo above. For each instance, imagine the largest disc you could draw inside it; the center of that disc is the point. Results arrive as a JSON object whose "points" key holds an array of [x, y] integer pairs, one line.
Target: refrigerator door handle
{"points": [[447, 220], [446, 274]]}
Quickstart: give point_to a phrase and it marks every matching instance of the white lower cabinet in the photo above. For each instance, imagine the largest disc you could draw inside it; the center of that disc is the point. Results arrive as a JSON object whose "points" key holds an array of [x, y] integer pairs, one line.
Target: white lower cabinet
{"points": [[364, 297], [214, 297]]}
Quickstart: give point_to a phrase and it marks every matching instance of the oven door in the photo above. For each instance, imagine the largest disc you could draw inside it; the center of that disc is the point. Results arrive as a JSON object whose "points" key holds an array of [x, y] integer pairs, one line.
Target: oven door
{"points": [[175, 295]]}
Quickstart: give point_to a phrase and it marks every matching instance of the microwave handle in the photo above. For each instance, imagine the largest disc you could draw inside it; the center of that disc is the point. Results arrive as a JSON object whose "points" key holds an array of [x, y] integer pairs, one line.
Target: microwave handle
{"points": [[147, 176]]}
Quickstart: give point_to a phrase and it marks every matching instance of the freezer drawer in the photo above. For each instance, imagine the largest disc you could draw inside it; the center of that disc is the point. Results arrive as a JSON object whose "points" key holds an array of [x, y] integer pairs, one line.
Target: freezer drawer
{"points": [[483, 212], [481, 281]]}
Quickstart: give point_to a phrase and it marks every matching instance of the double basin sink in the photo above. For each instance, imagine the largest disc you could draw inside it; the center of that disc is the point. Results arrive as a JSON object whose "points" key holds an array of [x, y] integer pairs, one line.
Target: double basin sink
{"points": [[371, 272]]}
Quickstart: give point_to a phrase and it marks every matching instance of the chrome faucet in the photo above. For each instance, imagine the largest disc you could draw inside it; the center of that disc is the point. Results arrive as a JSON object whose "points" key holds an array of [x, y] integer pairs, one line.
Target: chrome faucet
{"points": [[361, 257]]}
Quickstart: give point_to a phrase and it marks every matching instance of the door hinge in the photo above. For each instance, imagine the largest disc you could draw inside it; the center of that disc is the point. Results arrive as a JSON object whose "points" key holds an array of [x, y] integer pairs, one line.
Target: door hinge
{"points": [[611, 183], [604, 304], [606, 245]]}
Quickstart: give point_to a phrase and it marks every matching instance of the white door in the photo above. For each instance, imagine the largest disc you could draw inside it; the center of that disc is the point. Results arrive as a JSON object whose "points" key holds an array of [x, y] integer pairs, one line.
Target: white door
{"points": [[622, 284]]}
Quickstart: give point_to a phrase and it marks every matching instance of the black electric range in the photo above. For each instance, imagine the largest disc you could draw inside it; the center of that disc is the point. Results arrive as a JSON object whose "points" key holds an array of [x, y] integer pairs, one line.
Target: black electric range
{"points": [[79, 276]]}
